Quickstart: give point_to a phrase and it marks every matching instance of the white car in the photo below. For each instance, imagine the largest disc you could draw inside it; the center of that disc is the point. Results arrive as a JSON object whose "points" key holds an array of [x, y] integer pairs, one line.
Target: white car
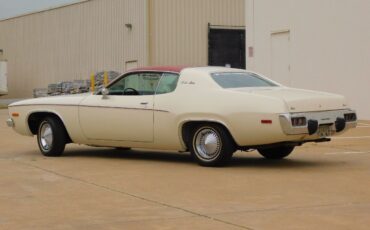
{"points": [[209, 111]]}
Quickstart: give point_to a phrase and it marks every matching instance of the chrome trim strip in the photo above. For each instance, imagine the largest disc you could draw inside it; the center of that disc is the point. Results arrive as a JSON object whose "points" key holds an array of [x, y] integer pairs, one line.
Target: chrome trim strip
{"points": [[323, 117], [114, 107], [94, 106]]}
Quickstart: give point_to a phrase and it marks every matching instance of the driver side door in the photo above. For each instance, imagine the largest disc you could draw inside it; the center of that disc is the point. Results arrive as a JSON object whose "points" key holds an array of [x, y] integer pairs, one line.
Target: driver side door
{"points": [[126, 114]]}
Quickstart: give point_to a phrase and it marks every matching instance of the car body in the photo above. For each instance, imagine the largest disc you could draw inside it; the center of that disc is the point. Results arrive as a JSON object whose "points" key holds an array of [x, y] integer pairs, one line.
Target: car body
{"points": [[207, 110]]}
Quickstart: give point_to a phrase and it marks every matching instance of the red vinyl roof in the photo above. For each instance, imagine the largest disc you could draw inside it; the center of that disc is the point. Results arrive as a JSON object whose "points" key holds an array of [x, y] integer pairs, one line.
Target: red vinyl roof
{"points": [[175, 69]]}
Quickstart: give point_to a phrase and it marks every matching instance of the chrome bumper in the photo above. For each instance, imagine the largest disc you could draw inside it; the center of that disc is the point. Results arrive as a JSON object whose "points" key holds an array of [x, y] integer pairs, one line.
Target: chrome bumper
{"points": [[319, 118], [10, 122]]}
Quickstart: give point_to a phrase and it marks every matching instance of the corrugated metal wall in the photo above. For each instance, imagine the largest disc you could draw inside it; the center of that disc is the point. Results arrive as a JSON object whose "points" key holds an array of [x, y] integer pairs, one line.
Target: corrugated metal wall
{"points": [[70, 42], [179, 28]]}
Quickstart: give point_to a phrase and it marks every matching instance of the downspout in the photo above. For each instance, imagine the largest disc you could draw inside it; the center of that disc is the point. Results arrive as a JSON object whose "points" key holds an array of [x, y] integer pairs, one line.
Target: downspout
{"points": [[250, 36], [149, 32]]}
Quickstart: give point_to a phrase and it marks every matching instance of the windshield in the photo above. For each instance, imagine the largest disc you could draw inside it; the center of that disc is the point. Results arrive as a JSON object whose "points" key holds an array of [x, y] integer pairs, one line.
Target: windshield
{"points": [[240, 80]]}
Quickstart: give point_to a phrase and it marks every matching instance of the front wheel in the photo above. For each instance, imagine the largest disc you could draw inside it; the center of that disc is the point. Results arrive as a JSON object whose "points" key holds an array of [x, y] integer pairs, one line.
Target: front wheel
{"points": [[212, 145], [277, 152], [51, 137]]}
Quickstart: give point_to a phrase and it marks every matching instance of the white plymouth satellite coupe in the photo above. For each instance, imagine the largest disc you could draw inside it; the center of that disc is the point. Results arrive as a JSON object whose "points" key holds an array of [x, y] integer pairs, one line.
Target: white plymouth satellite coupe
{"points": [[209, 111]]}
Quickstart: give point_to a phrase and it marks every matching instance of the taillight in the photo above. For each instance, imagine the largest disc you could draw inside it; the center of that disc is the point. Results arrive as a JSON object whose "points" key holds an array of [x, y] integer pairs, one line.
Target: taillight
{"points": [[299, 121], [349, 117]]}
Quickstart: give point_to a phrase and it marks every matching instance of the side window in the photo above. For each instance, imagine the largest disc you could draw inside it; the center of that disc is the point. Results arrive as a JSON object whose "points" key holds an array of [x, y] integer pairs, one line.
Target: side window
{"points": [[136, 84], [168, 83], [118, 88]]}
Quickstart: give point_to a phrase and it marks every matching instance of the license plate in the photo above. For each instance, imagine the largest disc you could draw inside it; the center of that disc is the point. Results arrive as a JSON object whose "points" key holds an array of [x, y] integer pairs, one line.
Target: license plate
{"points": [[324, 131]]}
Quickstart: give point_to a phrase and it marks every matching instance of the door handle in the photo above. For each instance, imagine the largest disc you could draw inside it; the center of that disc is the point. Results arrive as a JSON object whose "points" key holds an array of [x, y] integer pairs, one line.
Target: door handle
{"points": [[144, 103]]}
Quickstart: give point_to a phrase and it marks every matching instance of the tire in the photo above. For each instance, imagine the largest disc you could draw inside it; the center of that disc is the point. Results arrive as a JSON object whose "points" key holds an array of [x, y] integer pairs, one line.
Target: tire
{"points": [[276, 153], [219, 149], [51, 137]]}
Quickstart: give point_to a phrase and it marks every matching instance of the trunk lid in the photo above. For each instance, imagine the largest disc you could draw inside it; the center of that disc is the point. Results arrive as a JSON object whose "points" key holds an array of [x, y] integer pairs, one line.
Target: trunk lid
{"points": [[299, 100]]}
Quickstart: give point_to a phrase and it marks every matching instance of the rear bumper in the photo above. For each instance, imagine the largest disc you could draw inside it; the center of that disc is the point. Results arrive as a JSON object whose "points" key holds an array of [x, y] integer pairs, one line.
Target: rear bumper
{"points": [[336, 119], [10, 122]]}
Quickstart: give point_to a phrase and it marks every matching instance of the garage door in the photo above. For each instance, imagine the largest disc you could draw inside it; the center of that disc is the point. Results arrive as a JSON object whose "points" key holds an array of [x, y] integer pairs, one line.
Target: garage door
{"points": [[280, 57], [226, 47]]}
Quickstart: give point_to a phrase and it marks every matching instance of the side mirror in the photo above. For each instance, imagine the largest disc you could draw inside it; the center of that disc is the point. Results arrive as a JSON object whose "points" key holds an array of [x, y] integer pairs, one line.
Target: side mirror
{"points": [[105, 93]]}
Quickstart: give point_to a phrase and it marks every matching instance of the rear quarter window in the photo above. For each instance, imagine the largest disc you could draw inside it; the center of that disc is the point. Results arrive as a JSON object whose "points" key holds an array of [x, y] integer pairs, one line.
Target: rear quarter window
{"points": [[240, 80], [168, 83]]}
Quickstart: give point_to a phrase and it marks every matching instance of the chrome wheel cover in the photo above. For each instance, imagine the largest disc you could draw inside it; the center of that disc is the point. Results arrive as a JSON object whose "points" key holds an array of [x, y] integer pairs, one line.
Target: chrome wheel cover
{"points": [[46, 136], [207, 144]]}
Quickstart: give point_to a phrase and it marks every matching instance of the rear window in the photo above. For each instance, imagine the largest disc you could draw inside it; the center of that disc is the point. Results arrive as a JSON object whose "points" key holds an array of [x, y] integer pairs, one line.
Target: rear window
{"points": [[240, 80]]}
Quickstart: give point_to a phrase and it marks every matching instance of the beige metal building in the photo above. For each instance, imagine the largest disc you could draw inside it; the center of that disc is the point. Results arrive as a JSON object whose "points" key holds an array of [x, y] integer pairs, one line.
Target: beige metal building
{"points": [[313, 44], [70, 42]]}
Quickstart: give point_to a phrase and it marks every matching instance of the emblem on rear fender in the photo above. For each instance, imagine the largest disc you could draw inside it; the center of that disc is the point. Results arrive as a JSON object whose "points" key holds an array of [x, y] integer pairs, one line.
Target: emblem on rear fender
{"points": [[188, 83]]}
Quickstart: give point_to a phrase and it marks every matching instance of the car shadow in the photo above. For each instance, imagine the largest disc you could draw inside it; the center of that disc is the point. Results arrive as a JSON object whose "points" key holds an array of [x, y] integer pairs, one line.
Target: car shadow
{"points": [[246, 160], [287, 163], [135, 154]]}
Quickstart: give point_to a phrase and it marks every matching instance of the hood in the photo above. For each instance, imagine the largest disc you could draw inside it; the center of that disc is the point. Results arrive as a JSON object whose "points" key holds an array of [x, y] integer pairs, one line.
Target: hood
{"points": [[299, 100], [74, 99]]}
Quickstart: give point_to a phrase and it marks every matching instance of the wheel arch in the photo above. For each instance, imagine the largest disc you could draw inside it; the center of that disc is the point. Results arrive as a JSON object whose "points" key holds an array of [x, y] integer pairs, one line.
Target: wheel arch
{"points": [[186, 128], [35, 118]]}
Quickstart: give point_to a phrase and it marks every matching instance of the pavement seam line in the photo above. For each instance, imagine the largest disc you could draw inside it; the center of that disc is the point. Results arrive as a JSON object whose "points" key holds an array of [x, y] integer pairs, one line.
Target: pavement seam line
{"points": [[307, 207], [346, 153], [344, 148], [134, 196], [349, 138]]}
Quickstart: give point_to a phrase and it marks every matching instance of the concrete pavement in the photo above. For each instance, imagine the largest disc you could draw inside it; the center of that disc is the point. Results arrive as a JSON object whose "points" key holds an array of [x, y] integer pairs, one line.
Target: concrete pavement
{"points": [[320, 186]]}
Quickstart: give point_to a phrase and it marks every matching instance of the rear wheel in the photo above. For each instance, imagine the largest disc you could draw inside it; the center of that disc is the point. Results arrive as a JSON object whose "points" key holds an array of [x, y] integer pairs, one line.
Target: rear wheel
{"points": [[277, 152], [51, 137], [212, 145]]}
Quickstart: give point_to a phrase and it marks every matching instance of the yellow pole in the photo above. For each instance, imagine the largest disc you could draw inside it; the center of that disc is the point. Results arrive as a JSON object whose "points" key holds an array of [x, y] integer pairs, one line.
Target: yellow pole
{"points": [[92, 82], [105, 79]]}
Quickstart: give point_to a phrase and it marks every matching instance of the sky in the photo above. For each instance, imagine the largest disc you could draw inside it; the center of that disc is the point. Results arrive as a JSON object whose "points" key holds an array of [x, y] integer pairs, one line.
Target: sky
{"points": [[11, 8]]}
